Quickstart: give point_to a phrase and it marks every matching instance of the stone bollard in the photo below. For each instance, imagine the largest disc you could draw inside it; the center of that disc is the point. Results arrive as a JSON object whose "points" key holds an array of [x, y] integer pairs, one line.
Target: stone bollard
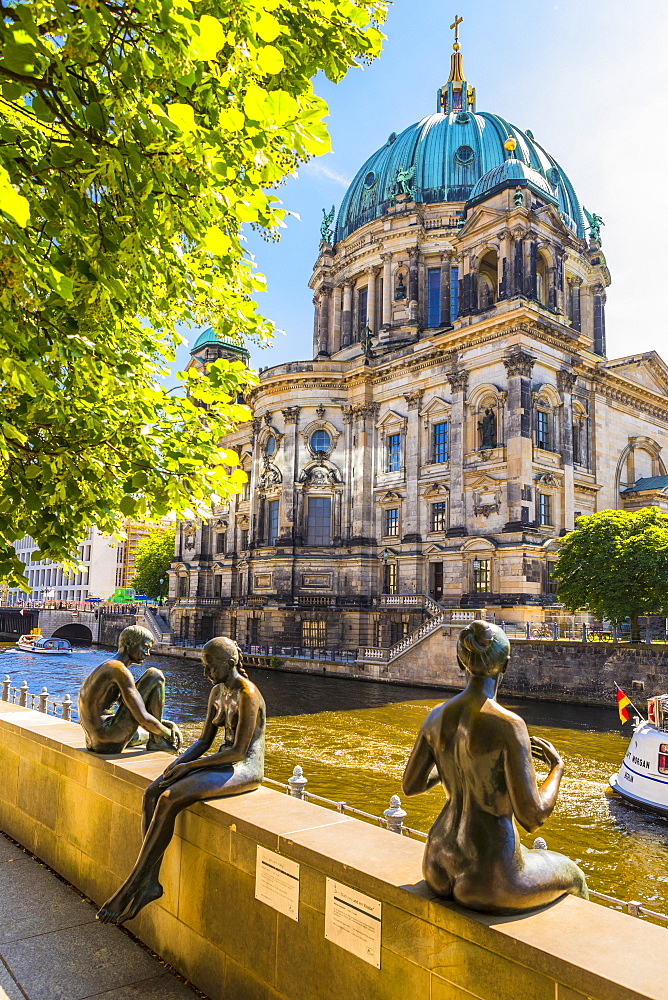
{"points": [[5, 687], [67, 708], [297, 783], [395, 815], [555, 631], [44, 701], [23, 694]]}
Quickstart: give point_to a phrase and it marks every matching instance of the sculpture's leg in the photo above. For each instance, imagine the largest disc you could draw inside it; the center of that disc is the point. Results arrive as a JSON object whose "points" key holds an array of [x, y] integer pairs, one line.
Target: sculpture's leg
{"points": [[142, 885]]}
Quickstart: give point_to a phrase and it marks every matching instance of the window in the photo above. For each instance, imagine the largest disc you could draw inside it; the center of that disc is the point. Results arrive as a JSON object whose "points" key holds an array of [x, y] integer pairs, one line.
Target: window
{"points": [[183, 586], [220, 541], [217, 585], [245, 493], [434, 296], [663, 758], [392, 521], [398, 631], [390, 578], [243, 539], [362, 298], [436, 580], [544, 511], [542, 429], [394, 453], [440, 443], [272, 522], [320, 441], [482, 576], [270, 447], [438, 516], [319, 521], [314, 633], [454, 294]]}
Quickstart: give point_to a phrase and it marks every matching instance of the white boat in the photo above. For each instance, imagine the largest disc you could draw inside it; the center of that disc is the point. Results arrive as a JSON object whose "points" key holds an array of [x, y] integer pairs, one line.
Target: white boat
{"points": [[35, 642], [642, 778]]}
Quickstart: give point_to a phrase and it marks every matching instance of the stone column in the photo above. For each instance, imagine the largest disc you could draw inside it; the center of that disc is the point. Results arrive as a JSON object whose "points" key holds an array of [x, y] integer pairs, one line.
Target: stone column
{"points": [[255, 471], [599, 320], [335, 325], [349, 495], [387, 289], [290, 467], [574, 293], [371, 299], [446, 264], [323, 321], [565, 382], [411, 512], [347, 314], [458, 380], [518, 264], [364, 433], [504, 265], [587, 311], [413, 295], [519, 446], [316, 324]]}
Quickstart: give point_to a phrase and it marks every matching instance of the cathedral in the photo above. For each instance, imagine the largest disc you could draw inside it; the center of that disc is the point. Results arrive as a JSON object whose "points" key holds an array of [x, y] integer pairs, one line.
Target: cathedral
{"points": [[458, 415]]}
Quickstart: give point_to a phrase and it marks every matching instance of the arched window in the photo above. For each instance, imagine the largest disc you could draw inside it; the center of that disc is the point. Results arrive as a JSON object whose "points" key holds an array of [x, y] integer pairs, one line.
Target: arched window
{"points": [[487, 280], [320, 441], [541, 280], [270, 446]]}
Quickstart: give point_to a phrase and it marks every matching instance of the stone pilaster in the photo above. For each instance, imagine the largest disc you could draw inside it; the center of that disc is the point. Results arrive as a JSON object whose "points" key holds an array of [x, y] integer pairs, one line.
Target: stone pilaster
{"points": [[323, 321], [335, 325], [371, 300], [458, 379], [387, 289], [291, 467], [565, 382], [413, 302], [411, 513], [364, 433], [519, 446], [347, 314], [504, 265]]}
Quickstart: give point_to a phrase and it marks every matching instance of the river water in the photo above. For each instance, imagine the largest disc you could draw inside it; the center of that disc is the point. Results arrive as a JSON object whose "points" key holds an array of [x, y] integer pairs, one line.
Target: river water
{"points": [[353, 738]]}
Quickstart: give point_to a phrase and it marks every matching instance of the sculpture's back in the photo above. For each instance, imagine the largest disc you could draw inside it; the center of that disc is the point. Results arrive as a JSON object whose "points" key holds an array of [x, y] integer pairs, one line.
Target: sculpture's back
{"points": [[482, 755]]}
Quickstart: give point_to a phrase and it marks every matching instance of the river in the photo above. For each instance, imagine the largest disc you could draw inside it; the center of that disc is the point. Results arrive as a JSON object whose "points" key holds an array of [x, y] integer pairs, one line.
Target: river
{"points": [[353, 738]]}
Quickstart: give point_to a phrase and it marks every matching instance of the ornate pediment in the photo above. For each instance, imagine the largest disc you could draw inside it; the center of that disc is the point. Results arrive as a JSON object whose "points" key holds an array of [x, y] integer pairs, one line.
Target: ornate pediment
{"points": [[320, 473], [270, 475], [390, 497], [439, 490], [547, 479], [647, 370]]}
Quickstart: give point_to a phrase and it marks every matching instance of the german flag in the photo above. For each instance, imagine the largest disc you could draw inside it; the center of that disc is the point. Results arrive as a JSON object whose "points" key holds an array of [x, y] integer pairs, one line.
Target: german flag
{"points": [[622, 702]]}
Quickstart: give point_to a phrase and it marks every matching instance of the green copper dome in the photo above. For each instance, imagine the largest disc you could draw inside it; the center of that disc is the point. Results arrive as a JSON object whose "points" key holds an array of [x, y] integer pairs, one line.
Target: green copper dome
{"points": [[446, 155], [512, 173], [208, 338]]}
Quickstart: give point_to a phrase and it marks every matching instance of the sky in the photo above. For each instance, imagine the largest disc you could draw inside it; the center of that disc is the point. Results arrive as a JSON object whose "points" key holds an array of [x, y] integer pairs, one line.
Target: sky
{"points": [[588, 77]]}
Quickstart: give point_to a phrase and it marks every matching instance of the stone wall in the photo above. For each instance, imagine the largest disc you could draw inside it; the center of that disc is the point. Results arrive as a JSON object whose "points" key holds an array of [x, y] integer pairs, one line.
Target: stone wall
{"points": [[111, 627], [79, 813]]}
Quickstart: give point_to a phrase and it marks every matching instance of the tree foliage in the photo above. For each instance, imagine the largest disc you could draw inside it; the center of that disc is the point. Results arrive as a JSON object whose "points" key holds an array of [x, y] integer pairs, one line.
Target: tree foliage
{"points": [[154, 556], [136, 140], [615, 565]]}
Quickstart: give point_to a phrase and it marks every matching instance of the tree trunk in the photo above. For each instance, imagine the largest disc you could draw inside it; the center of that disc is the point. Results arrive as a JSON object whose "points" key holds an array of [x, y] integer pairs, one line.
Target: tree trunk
{"points": [[635, 629]]}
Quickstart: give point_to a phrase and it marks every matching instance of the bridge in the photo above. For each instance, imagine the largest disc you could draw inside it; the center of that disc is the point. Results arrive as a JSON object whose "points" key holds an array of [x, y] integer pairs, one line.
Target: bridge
{"points": [[79, 626]]}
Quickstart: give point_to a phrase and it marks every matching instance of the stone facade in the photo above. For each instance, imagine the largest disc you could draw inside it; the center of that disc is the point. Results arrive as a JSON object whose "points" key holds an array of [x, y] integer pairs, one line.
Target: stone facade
{"points": [[458, 414]]}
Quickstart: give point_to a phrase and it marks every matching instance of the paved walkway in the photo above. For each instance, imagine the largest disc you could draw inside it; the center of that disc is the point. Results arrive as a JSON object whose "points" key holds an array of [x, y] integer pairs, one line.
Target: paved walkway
{"points": [[52, 948]]}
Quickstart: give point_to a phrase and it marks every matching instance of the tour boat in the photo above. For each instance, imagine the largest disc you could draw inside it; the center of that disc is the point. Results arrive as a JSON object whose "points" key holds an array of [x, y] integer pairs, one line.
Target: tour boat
{"points": [[642, 778], [35, 642]]}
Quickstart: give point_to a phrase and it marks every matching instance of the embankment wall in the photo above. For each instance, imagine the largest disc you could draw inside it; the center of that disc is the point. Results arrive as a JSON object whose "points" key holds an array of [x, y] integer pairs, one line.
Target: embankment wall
{"points": [[80, 813]]}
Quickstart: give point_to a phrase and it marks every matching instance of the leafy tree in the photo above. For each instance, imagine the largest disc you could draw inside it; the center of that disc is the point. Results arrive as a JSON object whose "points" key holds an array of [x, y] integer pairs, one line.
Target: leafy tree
{"points": [[616, 565], [136, 140], [155, 555]]}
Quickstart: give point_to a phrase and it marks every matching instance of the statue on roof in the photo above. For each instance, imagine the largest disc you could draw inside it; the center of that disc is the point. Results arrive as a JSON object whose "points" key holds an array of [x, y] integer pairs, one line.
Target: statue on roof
{"points": [[326, 231], [595, 222], [401, 181]]}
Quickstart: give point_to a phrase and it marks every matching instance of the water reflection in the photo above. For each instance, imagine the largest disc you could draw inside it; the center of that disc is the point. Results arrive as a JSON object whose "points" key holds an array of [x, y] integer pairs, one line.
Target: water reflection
{"points": [[353, 738]]}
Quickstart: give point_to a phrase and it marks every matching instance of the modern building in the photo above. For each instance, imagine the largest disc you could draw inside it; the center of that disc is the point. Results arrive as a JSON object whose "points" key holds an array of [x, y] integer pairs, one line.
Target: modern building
{"points": [[459, 411], [126, 552], [49, 580]]}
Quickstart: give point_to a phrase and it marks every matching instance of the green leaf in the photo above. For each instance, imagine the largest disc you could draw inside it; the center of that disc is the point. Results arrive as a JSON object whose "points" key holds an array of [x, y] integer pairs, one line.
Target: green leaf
{"points": [[11, 202], [267, 27], [210, 40], [183, 116], [270, 60], [217, 241]]}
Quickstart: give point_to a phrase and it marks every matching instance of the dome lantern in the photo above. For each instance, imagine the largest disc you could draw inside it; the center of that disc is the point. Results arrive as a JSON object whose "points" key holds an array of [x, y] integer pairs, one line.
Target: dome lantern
{"points": [[455, 95]]}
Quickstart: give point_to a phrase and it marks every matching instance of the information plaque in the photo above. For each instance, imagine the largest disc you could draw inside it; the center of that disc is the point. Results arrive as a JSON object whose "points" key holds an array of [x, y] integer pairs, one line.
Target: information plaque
{"points": [[353, 921], [277, 882]]}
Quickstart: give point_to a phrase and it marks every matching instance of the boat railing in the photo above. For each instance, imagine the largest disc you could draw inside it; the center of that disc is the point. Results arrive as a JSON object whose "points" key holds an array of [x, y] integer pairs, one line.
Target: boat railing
{"points": [[42, 702]]}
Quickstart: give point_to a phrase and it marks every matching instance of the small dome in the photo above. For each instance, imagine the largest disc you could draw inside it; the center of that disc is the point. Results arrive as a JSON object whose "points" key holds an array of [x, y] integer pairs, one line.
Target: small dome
{"points": [[512, 173], [208, 338], [445, 156]]}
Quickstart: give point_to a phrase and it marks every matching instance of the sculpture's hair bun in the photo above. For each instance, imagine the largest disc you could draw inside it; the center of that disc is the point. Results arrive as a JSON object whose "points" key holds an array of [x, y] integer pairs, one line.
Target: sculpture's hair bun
{"points": [[483, 648]]}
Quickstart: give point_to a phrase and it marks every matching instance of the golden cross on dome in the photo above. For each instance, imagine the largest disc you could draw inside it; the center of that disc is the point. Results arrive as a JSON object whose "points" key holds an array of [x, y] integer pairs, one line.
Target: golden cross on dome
{"points": [[458, 21]]}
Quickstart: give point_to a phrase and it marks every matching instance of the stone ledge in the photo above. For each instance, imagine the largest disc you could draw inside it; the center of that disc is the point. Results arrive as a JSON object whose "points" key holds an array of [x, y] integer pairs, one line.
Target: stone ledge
{"points": [[80, 813]]}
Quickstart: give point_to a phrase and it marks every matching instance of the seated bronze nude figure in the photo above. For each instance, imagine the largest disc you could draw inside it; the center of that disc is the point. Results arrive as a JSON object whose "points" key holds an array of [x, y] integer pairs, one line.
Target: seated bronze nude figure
{"points": [[115, 713], [235, 706], [482, 755]]}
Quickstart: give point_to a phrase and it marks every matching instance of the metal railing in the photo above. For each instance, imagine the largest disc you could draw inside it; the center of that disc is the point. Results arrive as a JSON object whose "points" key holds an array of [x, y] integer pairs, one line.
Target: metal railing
{"points": [[393, 820], [555, 631], [445, 616], [65, 709]]}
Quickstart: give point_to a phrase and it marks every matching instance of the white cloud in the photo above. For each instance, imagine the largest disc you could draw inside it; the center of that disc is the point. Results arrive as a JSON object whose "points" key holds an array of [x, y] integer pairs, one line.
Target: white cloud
{"points": [[318, 169]]}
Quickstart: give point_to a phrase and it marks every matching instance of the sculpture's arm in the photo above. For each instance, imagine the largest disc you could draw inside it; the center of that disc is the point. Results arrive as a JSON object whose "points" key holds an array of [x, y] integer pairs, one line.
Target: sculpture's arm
{"points": [[135, 705], [531, 805], [420, 773], [201, 745]]}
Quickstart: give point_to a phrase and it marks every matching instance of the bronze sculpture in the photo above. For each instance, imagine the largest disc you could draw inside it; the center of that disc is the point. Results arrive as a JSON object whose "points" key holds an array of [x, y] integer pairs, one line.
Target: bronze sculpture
{"points": [[487, 428], [237, 707], [114, 712], [482, 754]]}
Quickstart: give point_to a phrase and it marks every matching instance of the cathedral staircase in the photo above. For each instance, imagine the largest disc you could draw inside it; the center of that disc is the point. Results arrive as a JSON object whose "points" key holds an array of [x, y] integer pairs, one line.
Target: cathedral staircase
{"points": [[440, 616], [156, 625]]}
